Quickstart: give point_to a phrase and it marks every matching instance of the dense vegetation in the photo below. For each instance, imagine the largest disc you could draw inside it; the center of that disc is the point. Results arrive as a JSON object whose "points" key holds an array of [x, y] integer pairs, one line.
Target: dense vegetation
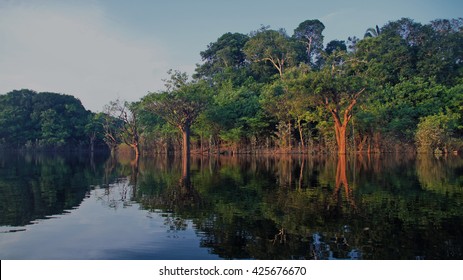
{"points": [[43, 120], [399, 88]]}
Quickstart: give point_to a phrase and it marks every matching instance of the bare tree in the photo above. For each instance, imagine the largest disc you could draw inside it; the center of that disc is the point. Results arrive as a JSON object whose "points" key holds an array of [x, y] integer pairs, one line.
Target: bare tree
{"points": [[126, 130]]}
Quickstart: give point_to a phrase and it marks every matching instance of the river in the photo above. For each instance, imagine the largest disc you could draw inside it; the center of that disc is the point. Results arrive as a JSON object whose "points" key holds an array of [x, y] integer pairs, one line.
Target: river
{"points": [[376, 207]]}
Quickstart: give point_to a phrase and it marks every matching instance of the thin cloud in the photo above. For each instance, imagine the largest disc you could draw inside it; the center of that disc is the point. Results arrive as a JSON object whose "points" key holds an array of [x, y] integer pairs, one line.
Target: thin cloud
{"points": [[336, 15]]}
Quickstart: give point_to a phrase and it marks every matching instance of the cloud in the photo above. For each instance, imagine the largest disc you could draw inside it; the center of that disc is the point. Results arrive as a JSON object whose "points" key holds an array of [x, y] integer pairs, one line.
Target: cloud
{"points": [[76, 50]]}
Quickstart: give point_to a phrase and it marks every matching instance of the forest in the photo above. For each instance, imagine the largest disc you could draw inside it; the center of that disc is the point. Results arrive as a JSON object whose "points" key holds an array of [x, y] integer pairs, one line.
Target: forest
{"points": [[397, 89]]}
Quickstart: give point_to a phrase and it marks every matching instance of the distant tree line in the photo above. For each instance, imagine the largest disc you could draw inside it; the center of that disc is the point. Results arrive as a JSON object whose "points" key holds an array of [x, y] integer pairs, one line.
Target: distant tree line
{"points": [[399, 88], [45, 120]]}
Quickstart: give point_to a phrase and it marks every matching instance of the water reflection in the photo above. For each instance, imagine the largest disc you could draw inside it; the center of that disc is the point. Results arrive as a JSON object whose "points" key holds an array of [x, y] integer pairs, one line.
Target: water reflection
{"points": [[34, 186], [311, 208], [286, 207]]}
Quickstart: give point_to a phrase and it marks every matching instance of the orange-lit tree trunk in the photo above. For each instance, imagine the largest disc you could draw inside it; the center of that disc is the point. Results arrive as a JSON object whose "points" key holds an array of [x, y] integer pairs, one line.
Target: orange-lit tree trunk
{"points": [[340, 125]]}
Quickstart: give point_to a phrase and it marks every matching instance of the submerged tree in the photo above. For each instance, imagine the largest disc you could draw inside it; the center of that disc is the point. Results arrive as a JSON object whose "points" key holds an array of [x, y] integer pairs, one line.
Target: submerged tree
{"points": [[110, 130], [129, 130], [180, 105], [436, 134], [337, 88]]}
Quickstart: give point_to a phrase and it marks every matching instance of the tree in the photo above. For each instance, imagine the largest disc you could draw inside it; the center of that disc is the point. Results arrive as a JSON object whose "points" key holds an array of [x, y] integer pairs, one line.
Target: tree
{"points": [[372, 32], [127, 115], [335, 45], [406, 29], [274, 47], [274, 100], [111, 127], [310, 33], [436, 134], [390, 59], [16, 126], [231, 112], [180, 105], [337, 87], [94, 129], [53, 129], [287, 100], [226, 52], [440, 51], [299, 104]]}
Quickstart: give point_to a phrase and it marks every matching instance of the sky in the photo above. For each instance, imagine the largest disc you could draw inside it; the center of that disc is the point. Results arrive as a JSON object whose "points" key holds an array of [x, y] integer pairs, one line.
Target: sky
{"points": [[103, 50]]}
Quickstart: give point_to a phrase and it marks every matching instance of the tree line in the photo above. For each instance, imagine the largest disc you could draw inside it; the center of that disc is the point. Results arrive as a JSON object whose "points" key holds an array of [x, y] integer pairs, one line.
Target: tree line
{"points": [[397, 89]]}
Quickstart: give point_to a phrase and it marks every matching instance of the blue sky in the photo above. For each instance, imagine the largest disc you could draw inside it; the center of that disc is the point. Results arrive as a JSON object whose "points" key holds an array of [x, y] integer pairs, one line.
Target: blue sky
{"points": [[100, 50]]}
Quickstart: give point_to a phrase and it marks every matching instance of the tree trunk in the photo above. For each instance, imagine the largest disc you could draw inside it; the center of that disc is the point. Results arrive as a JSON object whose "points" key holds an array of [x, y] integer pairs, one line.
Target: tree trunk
{"points": [[301, 135], [113, 151], [201, 148], [377, 142], [92, 143], [341, 126], [136, 149], [362, 144], [186, 141], [341, 137]]}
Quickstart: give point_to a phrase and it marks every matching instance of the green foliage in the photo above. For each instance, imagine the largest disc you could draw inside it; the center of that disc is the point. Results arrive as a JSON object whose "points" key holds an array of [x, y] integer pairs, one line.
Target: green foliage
{"points": [[182, 103], [273, 47], [309, 33], [225, 53], [232, 136], [335, 45], [388, 59], [42, 119], [436, 133], [233, 114], [53, 129]]}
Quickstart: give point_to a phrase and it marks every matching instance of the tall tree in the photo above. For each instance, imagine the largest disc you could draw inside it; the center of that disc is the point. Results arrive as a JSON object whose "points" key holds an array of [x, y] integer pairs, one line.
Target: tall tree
{"points": [[226, 52], [272, 46], [230, 112], [337, 87], [310, 33], [440, 51]]}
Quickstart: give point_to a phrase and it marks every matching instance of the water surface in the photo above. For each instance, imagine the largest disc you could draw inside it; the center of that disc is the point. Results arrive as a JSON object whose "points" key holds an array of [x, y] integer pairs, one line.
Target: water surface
{"points": [[267, 207]]}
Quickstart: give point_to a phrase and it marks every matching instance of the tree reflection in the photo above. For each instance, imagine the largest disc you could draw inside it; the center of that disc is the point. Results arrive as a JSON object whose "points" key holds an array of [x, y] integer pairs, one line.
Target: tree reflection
{"points": [[341, 181], [166, 187], [441, 175], [35, 186], [307, 207]]}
